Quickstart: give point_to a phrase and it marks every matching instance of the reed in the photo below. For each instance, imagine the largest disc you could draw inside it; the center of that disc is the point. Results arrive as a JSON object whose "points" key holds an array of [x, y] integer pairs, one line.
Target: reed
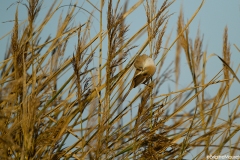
{"points": [[52, 107]]}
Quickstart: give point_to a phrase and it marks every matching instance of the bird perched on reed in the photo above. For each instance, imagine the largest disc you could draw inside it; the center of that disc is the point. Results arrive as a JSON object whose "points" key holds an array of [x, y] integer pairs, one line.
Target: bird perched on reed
{"points": [[145, 69]]}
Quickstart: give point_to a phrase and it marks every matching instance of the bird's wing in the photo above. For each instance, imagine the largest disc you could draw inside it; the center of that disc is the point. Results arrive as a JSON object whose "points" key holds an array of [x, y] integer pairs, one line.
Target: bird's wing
{"points": [[138, 80]]}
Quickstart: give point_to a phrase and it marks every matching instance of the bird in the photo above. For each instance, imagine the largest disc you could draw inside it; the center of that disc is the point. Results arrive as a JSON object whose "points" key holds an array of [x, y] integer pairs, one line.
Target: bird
{"points": [[145, 69]]}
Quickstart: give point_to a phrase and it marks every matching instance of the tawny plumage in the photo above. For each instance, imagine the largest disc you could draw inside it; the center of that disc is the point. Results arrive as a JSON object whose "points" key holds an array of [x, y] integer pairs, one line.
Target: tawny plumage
{"points": [[145, 69]]}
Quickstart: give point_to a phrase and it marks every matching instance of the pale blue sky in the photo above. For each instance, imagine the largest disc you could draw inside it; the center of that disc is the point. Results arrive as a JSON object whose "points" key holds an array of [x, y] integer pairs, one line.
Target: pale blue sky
{"points": [[214, 16], [212, 19]]}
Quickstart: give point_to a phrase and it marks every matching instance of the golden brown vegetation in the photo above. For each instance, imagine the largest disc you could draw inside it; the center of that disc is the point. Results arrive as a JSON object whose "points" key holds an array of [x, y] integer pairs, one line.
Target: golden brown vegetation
{"points": [[40, 112]]}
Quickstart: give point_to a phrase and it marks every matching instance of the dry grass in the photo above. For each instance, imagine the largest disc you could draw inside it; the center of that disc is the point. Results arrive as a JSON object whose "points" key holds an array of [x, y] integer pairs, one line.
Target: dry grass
{"points": [[85, 115]]}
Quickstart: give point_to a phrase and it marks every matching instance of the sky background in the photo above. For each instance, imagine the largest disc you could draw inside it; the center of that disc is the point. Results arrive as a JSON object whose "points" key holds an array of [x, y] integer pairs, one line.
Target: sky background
{"points": [[212, 19]]}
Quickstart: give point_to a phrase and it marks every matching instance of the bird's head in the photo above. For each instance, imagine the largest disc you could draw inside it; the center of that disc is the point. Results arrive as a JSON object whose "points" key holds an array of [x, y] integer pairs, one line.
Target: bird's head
{"points": [[149, 68]]}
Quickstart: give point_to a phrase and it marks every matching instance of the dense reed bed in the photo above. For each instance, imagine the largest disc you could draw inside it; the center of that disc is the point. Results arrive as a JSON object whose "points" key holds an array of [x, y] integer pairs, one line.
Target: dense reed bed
{"points": [[52, 107]]}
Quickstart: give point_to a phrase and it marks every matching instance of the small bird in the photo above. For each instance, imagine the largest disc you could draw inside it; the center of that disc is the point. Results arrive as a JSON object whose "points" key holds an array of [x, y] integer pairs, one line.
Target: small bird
{"points": [[145, 69]]}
